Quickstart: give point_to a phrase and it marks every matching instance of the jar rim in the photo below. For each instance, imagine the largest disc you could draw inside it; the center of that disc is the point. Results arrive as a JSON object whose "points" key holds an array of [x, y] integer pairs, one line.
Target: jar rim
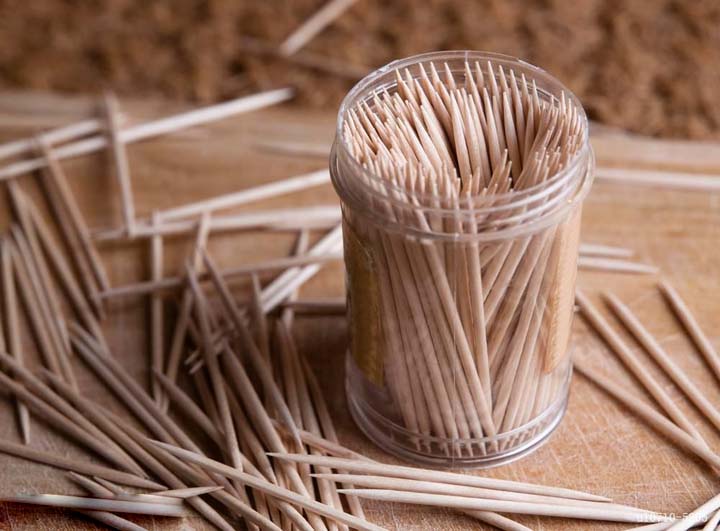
{"points": [[363, 88]]}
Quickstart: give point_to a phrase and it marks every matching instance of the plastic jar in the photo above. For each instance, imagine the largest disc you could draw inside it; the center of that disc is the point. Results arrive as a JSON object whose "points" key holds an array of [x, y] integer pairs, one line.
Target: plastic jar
{"points": [[460, 307]]}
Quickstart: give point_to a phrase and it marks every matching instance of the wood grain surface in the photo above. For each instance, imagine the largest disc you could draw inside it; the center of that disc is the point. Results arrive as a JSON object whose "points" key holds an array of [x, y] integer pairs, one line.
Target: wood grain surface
{"points": [[599, 447]]}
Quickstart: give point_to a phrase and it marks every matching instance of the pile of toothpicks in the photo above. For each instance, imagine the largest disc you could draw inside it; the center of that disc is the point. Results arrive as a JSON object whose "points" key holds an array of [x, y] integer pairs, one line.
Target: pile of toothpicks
{"points": [[251, 442]]}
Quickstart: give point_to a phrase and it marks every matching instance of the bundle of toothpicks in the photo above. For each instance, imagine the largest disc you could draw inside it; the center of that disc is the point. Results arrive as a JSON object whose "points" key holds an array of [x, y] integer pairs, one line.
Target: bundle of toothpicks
{"points": [[476, 330], [248, 438]]}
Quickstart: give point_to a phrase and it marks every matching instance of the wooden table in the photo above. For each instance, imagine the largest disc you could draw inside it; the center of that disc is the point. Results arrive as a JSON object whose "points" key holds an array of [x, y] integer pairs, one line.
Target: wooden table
{"points": [[599, 447]]}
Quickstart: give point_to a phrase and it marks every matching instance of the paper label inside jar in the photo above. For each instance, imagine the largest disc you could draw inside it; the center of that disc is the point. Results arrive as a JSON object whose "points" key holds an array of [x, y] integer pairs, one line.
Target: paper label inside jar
{"points": [[364, 306]]}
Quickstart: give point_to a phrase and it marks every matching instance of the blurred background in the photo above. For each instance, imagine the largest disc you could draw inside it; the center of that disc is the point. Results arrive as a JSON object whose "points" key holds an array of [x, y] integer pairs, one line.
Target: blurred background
{"points": [[648, 66]]}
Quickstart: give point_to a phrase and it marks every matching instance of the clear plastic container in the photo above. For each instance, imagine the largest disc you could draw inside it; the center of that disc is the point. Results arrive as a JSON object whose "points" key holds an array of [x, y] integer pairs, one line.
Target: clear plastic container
{"points": [[460, 306]]}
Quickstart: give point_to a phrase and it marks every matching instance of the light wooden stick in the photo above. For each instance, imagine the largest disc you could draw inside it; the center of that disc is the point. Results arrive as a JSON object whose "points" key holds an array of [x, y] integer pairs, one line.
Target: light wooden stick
{"points": [[104, 517], [479, 504], [157, 332], [74, 228], [326, 490], [112, 520], [122, 166], [316, 217], [156, 128], [12, 329], [29, 295], [646, 339], [383, 469], [98, 504], [698, 516], [142, 288], [261, 420], [62, 424], [189, 492], [54, 136], [232, 502], [649, 415], [40, 274], [128, 438], [68, 280], [431, 487], [249, 195], [76, 465], [609, 251], [216, 377], [181, 325], [663, 179], [45, 393], [287, 283], [497, 520], [618, 346], [272, 490], [314, 25], [613, 265], [683, 313], [260, 362], [189, 407]]}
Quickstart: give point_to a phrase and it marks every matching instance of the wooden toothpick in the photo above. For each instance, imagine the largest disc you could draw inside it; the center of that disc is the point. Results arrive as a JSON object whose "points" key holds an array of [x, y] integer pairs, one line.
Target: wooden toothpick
{"points": [[122, 166]]}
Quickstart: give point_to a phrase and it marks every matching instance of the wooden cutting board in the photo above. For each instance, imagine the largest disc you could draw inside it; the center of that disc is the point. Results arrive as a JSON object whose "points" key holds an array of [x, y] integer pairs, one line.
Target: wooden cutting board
{"points": [[599, 447]]}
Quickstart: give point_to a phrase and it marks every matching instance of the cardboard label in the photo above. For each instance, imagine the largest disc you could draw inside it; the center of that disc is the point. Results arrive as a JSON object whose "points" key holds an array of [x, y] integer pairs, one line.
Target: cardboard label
{"points": [[364, 306]]}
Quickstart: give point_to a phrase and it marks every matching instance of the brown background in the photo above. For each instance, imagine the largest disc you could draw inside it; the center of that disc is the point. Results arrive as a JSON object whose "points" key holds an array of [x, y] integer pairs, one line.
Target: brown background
{"points": [[599, 447], [649, 66]]}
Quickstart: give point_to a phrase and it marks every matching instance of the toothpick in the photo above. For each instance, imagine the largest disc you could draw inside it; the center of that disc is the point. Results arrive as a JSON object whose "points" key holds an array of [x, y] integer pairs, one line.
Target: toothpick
{"points": [[216, 377], [497, 520], [104, 517], [155, 128], [259, 361], [97, 504], [181, 325], [651, 345], [249, 195], [12, 329], [273, 490], [478, 504], [157, 316], [613, 265], [111, 520], [430, 487], [143, 288], [28, 292], [289, 219], [122, 166], [43, 392], [649, 415], [189, 407], [189, 492], [663, 179], [622, 351], [128, 437], [67, 277], [74, 228], [685, 316], [261, 420], [59, 135], [383, 469], [62, 424], [76, 465], [609, 251], [314, 25]]}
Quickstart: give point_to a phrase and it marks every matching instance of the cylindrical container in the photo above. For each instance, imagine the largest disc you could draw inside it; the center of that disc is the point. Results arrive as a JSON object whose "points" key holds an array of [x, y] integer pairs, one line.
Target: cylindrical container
{"points": [[462, 176]]}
